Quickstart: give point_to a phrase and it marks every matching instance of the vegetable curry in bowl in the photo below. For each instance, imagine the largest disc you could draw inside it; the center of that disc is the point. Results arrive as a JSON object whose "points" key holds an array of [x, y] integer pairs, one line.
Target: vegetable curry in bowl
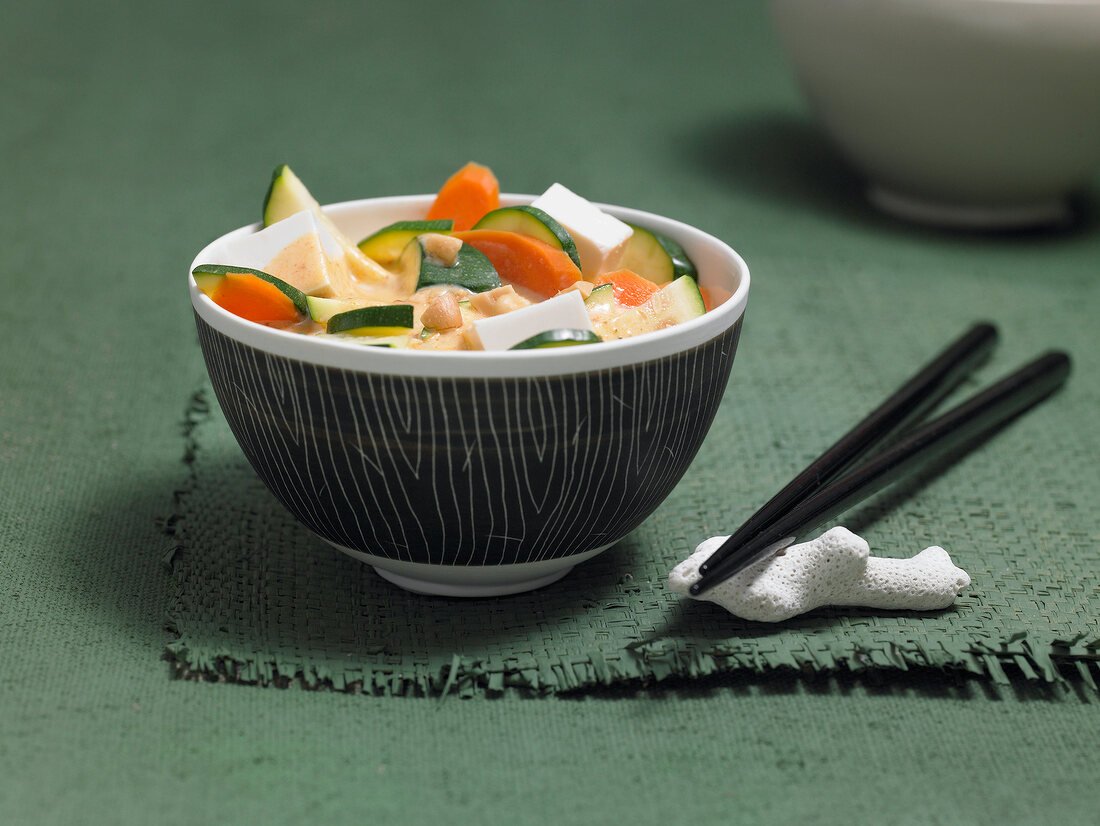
{"points": [[470, 275]]}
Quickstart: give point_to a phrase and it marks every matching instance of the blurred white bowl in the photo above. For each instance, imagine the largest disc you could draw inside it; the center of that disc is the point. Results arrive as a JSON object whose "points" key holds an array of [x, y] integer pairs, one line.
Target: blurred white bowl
{"points": [[982, 113]]}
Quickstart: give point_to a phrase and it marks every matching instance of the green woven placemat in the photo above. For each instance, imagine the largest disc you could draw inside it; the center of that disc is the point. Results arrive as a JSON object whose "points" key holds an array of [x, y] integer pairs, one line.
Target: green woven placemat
{"points": [[261, 601]]}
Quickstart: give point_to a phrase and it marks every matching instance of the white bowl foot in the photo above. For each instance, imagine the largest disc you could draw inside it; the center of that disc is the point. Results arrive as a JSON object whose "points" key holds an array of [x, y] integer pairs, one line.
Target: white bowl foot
{"points": [[446, 589], [471, 580], [968, 216]]}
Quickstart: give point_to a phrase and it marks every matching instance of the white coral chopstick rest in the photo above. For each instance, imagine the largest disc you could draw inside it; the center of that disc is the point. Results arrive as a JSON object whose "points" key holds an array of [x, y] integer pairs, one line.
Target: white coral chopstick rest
{"points": [[835, 569]]}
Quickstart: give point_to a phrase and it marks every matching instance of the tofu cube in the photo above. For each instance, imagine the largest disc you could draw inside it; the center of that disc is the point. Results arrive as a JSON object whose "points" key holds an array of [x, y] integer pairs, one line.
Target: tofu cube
{"points": [[297, 249], [501, 332], [600, 237]]}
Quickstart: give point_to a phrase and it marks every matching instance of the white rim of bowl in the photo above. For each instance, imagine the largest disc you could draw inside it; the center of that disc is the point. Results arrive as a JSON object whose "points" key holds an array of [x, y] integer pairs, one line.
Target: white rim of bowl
{"points": [[707, 251]]}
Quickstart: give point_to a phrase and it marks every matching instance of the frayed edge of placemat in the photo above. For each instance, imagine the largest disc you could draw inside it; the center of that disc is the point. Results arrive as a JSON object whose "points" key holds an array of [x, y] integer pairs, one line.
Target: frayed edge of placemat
{"points": [[197, 411], [1063, 665]]}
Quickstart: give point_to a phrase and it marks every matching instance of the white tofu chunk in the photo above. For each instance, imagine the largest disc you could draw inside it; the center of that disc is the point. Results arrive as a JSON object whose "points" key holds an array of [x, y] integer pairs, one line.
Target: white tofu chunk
{"points": [[565, 311], [600, 237], [299, 249]]}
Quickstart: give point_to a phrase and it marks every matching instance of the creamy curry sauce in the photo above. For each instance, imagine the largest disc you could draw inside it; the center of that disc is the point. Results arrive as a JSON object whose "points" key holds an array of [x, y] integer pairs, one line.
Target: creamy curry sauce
{"points": [[297, 265]]}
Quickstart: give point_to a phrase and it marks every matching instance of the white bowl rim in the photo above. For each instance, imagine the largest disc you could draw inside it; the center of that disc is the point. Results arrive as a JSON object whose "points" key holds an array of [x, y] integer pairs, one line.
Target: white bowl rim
{"points": [[351, 356]]}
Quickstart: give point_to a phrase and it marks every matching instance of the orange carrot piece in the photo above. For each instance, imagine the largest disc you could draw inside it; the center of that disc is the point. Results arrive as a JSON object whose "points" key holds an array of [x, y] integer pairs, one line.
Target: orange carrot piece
{"points": [[708, 302], [630, 288], [254, 299], [466, 196], [525, 261]]}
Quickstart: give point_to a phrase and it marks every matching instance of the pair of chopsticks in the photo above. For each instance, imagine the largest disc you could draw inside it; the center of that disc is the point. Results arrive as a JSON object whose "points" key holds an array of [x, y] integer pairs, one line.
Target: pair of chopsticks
{"points": [[887, 445]]}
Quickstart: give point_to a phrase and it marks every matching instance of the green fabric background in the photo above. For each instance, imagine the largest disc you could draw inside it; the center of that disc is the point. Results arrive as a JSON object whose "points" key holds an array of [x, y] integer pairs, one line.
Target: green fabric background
{"points": [[134, 133]]}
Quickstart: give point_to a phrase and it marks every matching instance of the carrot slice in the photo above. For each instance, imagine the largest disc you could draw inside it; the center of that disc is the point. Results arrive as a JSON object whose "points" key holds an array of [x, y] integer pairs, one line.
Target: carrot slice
{"points": [[630, 288], [708, 302], [525, 261], [466, 196], [254, 299]]}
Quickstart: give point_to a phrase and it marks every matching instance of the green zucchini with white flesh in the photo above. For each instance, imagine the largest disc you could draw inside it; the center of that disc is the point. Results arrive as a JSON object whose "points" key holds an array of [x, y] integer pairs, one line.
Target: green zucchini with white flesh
{"points": [[557, 338], [322, 309], [426, 262], [207, 277], [384, 320], [675, 303], [287, 196], [601, 296], [656, 257], [395, 342], [386, 245], [535, 222]]}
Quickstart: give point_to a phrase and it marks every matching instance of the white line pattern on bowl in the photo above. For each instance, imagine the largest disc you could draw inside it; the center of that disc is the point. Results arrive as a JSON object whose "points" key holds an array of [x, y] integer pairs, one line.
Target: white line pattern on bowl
{"points": [[322, 439]]}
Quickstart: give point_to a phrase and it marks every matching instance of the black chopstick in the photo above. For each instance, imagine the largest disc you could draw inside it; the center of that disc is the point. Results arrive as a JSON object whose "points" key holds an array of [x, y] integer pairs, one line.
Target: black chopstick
{"points": [[909, 403], [958, 429]]}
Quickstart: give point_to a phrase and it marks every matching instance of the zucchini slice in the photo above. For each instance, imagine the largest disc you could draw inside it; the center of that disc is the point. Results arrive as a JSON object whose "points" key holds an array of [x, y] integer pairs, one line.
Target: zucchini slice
{"points": [[385, 320], [678, 301], [470, 269], [601, 296], [557, 338], [386, 245], [287, 195], [674, 303], [392, 342], [530, 220], [656, 257], [208, 276], [322, 309]]}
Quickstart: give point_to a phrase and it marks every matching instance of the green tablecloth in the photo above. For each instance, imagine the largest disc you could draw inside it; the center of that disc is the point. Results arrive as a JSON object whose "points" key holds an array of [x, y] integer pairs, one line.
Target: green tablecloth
{"points": [[134, 134]]}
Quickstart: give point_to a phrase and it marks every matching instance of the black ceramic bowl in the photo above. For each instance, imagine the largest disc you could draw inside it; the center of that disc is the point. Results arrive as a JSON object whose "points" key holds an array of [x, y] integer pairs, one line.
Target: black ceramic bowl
{"points": [[475, 473]]}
